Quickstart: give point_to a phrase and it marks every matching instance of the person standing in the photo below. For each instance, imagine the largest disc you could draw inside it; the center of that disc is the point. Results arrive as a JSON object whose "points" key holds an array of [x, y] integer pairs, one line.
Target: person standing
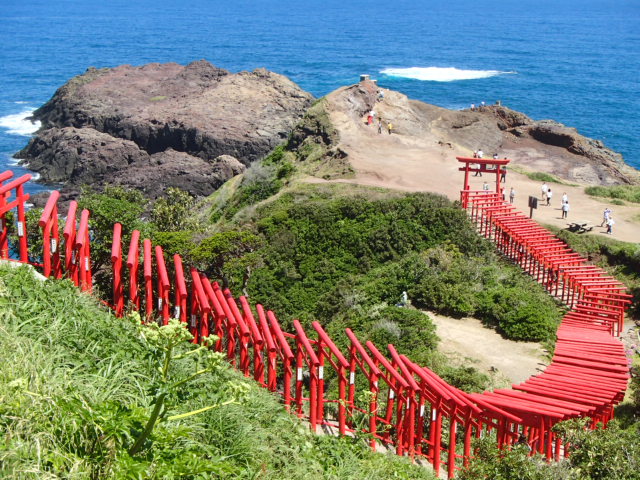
{"points": [[545, 189], [503, 174], [605, 216], [485, 187], [379, 125], [480, 153], [512, 195], [610, 224], [565, 209], [565, 198], [549, 195], [389, 127]]}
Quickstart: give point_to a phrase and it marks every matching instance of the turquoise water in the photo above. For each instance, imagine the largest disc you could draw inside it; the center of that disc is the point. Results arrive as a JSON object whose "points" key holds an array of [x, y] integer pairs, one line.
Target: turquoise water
{"points": [[577, 62]]}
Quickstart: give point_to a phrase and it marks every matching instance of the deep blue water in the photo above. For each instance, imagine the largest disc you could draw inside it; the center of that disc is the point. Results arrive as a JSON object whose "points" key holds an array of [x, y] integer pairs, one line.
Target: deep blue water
{"points": [[575, 61]]}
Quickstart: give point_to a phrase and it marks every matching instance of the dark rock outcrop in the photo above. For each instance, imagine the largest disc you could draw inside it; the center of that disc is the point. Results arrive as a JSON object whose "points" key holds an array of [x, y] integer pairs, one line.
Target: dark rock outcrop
{"points": [[162, 125], [576, 158]]}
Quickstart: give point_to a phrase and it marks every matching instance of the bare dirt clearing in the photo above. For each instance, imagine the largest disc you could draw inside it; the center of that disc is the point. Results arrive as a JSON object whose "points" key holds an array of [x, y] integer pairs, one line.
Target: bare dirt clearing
{"points": [[468, 339]]}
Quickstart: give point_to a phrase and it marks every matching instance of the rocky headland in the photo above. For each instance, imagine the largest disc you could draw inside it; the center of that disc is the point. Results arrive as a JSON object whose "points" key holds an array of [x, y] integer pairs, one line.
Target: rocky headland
{"points": [[195, 126], [544, 146], [162, 125]]}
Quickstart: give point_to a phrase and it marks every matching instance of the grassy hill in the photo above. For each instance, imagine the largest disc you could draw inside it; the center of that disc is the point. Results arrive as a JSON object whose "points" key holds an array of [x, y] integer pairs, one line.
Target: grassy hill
{"points": [[77, 387]]}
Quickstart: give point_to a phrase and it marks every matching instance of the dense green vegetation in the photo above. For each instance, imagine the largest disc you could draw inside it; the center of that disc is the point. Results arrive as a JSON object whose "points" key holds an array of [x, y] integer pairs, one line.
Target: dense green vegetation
{"points": [[603, 454], [78, 387], [330, 255], [629, 193]]}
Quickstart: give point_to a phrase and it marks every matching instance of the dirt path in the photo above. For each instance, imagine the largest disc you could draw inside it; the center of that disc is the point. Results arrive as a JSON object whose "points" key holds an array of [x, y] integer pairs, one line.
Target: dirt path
{"points": [[468, 339], [409, 162]]}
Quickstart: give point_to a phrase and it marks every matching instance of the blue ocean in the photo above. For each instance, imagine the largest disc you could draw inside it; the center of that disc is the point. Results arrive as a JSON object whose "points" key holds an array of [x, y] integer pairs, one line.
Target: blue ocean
{"points": [[574, 61]]}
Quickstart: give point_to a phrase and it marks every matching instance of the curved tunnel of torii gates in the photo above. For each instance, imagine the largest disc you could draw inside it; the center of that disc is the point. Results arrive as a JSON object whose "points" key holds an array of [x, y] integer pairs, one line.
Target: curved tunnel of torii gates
{"points": [[482, 165]]}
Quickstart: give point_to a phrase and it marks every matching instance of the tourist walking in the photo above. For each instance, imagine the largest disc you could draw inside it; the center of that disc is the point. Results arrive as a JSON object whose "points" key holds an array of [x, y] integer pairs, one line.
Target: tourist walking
{"points": [[545, 189], [565, 209], [379, 125], [389, 127], [565, 198], [605, 216], [512, 195], [503, 174], [485, 187], [549, 195], [610, 224], [480, 153]]}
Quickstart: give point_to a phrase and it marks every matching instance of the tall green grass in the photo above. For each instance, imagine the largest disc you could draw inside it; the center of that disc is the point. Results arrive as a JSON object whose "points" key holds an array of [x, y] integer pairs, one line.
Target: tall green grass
{"points": [[75, 391]]}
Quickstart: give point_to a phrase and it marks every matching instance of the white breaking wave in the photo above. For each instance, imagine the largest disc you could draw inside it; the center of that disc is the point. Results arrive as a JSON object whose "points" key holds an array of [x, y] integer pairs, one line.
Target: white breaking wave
{"points": [[17, 123], [440, 74]]}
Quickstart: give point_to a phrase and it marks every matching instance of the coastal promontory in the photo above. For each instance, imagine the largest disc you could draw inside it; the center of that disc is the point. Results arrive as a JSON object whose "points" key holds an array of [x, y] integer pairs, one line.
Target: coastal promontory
{"points": [[162, 125]]}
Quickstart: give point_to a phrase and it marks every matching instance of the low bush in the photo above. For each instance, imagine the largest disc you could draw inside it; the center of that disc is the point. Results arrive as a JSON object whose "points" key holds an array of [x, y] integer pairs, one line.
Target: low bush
{"points": [[601, 454], [629, 193]]}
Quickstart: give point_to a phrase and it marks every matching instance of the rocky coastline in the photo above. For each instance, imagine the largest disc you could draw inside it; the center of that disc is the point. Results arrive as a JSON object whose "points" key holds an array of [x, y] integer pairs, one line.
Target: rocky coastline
{"points": [[196, 126], [162, 125]]}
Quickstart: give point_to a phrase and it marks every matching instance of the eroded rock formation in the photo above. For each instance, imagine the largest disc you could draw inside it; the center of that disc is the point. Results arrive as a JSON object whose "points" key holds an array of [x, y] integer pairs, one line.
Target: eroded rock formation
{"points": [[162, 125]]}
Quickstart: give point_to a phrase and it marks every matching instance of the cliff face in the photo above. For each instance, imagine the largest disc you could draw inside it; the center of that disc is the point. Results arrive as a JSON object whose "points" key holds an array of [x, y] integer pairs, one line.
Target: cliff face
{"points": [[162, 125]]}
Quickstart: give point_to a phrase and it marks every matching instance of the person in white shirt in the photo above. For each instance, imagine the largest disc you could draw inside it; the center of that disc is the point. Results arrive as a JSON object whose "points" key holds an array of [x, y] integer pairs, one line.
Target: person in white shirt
{"points": [[565, 198], [549, 195], [512, 195], [480, 153], [485, 187], [610, 224], [545, 188], [565, 209]]}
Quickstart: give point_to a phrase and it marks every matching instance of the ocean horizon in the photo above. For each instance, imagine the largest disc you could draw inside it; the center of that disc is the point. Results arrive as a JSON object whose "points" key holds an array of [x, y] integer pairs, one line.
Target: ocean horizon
{"points": [[574, 62]]}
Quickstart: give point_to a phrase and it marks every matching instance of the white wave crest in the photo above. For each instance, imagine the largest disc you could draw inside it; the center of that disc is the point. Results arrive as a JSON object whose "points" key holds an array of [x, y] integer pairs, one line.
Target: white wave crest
{"points": [[18, 124], [440, 74]]}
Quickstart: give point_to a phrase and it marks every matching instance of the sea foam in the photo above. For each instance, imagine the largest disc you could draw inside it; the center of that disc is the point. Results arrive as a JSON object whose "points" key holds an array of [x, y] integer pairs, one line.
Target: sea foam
{"points": [[18, 123], [440, 74]]}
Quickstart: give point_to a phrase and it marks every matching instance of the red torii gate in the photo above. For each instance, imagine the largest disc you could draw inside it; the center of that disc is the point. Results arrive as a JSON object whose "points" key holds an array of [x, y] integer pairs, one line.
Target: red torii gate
{"points": [[482, 167]]}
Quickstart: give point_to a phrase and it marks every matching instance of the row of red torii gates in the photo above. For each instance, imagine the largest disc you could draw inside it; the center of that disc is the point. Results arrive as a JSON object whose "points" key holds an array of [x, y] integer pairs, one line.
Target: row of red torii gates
{"points": [[408, 407]]}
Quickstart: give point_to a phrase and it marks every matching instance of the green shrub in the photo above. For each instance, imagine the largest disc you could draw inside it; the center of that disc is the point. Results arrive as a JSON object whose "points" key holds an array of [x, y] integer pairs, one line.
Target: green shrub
{"points": [[523, 316], [629, 193]]}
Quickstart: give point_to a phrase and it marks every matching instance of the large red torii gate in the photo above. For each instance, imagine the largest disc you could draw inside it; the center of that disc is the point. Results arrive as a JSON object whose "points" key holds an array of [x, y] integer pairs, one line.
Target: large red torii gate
{"points": [[482, 167]]}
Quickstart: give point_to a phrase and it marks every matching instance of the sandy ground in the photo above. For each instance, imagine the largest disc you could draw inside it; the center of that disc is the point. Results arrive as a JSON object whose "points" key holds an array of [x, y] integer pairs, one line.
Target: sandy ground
{"points": [[469, 340], [411, 163]]}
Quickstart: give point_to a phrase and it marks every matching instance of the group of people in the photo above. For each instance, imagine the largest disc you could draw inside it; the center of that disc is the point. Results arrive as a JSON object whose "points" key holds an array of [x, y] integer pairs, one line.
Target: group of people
{"points": [[371, 118], [480, 106], [547, 195]]}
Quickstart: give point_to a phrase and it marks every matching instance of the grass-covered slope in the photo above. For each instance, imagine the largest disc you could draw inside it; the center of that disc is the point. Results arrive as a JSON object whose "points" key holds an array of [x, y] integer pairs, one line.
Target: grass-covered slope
{"points": [[337, 252], [77, 386]]}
